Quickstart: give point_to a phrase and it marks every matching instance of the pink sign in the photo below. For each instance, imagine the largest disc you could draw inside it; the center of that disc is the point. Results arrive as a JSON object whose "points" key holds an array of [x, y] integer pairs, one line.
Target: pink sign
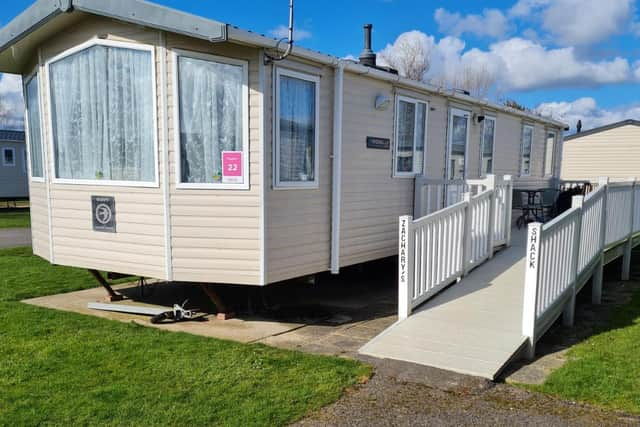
{"points": [[232, 167]]}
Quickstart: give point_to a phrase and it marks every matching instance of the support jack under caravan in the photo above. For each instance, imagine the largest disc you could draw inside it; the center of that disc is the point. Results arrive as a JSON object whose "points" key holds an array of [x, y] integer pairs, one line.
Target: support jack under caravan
{"points": [[158, 315]]}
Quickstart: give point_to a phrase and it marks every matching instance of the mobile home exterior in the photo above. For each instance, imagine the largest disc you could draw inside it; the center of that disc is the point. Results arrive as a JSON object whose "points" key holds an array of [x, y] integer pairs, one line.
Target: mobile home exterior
{"points": [[612, 151], [283, 169], [13, 166]]}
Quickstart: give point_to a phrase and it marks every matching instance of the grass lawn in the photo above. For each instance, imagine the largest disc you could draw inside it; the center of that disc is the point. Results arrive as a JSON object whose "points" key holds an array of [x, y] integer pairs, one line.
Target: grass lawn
{"points": [[15, 219], [605, 369], [68, 369]]}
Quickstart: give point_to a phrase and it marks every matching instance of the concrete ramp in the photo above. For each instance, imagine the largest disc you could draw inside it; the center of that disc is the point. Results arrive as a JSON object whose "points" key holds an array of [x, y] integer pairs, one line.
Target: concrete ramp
{"points": [[472, 327]]}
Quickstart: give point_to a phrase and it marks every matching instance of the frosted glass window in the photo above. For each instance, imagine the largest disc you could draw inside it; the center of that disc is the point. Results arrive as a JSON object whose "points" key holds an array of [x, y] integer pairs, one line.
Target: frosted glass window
{"points": [[34, 134]]}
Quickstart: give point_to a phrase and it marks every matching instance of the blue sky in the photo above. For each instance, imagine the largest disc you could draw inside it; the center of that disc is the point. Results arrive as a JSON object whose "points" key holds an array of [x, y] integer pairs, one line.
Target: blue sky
{"points": [[570, 58]]}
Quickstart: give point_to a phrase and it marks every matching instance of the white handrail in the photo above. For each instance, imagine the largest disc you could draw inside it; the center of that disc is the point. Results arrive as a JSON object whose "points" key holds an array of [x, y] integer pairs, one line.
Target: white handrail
{"points": [[437, 249], [565, 252]]}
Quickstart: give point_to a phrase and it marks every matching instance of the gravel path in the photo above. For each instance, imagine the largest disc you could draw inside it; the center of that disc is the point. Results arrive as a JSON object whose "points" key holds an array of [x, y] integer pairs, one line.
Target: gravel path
{"points": [[11, 237], [402, 394]]}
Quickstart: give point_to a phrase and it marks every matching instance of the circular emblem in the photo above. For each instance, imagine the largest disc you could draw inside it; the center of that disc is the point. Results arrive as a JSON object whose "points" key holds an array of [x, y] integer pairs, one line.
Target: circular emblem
{"points": [[103, 214]]}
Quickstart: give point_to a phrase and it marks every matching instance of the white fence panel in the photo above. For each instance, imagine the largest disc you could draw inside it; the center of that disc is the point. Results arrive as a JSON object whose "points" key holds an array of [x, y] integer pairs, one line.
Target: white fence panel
{"points": [[592, 211], [480, 212], [502, 217], [619, 198]]}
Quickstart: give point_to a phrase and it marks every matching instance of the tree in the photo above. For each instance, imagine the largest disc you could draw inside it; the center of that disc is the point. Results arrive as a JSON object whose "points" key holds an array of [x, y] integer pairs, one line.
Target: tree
{"points": [[511, 103], [410, 54]]}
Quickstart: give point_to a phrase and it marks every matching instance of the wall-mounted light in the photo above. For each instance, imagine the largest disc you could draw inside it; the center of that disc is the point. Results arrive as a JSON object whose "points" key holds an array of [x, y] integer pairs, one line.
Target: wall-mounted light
{"points": [[479, 118], [382, 103]]}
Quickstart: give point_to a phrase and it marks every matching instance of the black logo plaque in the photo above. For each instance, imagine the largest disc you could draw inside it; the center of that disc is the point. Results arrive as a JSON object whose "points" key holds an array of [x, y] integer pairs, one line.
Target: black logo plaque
{"points": [[104, 213]]}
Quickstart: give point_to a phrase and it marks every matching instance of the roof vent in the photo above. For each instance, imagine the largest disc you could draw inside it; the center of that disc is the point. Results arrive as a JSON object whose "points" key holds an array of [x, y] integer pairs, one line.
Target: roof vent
{"points": [[367, 56]]}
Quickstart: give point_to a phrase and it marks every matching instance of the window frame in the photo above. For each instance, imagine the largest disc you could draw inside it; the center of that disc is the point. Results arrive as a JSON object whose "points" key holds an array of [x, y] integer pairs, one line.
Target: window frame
{"points": [[4, 159], [459, 112], [101, 182], [34, 75], [292, 185], [175, 55], [520, 166], [483, 173], [396, 128], [553, 156]]}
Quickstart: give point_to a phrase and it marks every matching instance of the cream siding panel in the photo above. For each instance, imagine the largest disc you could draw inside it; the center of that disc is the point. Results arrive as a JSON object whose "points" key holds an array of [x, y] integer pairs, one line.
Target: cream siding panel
{"points": [[614, 153], [138, 246], [298, 222], [216, 232], [39, 219], [371, 199]]}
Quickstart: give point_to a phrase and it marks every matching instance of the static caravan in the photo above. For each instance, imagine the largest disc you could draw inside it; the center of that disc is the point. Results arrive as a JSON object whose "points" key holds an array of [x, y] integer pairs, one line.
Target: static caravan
{"points": [[171, 146], [612, 150], [13, 166]]}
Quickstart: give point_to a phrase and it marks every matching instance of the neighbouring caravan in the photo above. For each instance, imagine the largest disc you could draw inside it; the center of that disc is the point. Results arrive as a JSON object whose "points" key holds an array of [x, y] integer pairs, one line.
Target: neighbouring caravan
{"points": [[612, 151], [13, 166], [169, 146]]}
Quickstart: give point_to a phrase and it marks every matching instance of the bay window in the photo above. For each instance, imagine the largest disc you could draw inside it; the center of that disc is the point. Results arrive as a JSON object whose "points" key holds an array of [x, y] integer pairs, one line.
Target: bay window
{"points": [[410, 135], [487, 144], [103, 111], [525, 153], [296, 126], [34, 134], [212, 107]]}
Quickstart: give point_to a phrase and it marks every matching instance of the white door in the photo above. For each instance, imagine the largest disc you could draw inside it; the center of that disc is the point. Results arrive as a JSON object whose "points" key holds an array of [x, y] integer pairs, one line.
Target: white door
{"points": [[457, 145]]}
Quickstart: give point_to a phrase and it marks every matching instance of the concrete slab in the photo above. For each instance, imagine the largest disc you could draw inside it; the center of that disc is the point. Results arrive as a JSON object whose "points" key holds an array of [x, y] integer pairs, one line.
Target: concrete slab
{"points": [[473, 327], [14, 237]]}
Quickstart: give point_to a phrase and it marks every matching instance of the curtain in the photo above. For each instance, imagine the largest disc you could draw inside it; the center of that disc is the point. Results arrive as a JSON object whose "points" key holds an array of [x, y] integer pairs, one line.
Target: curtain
{"points": [[527, 139], [488, 137], [406, 136], [35, 136], [210, 117], [102, 114], [297, 129], [421, 113]]}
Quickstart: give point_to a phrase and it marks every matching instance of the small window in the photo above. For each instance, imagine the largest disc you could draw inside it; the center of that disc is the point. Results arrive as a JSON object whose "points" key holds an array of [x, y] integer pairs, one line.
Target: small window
{"points": [[525, 155], [488, 141], [103, 114], [296, 129], [548, 154], [211, 102], [411, 121], [8, 156], [34, 134]]}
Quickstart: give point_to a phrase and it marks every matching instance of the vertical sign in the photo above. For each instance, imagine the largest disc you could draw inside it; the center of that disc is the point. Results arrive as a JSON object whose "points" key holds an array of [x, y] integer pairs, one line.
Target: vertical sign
{"points": [[232, 167], [529, 310], [404, 293]]}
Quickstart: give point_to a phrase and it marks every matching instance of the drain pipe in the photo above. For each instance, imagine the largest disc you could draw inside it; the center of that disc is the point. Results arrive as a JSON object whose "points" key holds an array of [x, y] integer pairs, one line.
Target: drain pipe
{"points": [[336, 181]]}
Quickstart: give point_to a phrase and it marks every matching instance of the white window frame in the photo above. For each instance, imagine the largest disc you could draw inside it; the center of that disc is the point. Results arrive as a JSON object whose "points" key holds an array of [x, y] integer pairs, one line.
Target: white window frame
{"points": [[25, 82], [4, 159], [460, 113], [175, 54], [100, 182], [553, 154], [483, 173], [396, 128], [288, 185], [520, 168]]}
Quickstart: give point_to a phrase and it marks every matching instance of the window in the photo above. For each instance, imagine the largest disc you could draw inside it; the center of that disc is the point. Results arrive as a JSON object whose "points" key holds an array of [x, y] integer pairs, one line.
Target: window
{"points": [[411, 120], [34, 134], [103, 114], [548, 153], [525, 155], [8, 156], [296, 129], [487, 144], [211, 103]]}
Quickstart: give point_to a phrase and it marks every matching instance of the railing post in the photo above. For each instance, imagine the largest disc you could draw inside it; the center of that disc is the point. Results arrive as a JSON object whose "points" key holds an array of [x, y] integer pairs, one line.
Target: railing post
{"points": [[491, 185], [596, 280], [568, 314], [466, 235], [628, 246], [406, 268], [508, 206], [532, 275]]}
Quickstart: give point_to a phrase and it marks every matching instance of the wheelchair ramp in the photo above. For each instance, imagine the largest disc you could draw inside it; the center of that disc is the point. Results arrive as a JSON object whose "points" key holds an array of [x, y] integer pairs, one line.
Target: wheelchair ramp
{"points": [[473, 327]]}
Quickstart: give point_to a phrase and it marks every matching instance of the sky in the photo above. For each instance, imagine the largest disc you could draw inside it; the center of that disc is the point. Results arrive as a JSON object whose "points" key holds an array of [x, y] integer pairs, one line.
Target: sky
{"points": [[571, 59]]}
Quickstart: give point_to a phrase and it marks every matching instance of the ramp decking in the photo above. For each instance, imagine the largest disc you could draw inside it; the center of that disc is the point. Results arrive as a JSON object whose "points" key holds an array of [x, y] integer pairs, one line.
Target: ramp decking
{"points": [[472, 327]]}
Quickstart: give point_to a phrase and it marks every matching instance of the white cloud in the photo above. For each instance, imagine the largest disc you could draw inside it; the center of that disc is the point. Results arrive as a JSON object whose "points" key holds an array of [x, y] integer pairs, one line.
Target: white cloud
{"points": [[587, 110], [11, 103], [577, 22], [282, 31], [491, 23]]}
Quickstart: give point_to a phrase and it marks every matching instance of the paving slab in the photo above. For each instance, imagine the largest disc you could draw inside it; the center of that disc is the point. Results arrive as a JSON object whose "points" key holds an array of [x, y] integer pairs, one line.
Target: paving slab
{"points": [[14, 237]]}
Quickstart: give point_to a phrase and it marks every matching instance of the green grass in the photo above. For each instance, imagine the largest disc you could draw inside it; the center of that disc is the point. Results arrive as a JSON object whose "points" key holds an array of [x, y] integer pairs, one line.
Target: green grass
{"points": [[68, 369], [605, 369], [15, 219]]}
